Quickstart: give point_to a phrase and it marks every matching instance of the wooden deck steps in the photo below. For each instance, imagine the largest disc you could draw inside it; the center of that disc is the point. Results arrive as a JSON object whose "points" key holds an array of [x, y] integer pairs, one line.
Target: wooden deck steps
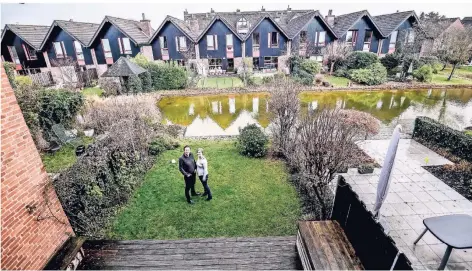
{"points": [[214, 253]]}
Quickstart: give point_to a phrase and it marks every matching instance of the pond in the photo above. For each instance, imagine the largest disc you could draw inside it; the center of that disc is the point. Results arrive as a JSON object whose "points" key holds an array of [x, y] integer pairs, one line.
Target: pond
{"points": [[220, 115]]}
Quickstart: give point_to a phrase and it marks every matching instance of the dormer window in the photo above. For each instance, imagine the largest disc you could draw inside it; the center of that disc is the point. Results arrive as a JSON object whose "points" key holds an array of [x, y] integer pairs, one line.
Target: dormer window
{"points": [[242, 26]]}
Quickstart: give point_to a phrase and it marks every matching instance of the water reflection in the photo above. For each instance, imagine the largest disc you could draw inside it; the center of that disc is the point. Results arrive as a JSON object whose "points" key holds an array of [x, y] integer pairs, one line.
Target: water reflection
{"points": [[225, 114]]}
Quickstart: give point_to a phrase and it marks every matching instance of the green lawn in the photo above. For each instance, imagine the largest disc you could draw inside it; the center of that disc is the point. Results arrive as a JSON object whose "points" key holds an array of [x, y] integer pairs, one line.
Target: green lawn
{"points": [[92, 91], [62, 159], [251, 197], [337, 81], [220, 82], [441, 79]]}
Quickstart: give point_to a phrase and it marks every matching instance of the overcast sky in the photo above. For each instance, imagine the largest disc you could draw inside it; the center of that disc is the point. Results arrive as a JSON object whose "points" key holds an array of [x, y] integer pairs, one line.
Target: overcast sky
{"points": [[44, 14]]}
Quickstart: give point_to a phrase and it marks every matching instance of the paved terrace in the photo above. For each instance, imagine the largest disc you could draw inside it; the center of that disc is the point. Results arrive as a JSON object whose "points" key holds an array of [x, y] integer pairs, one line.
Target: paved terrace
{"points": [[414, 195]]}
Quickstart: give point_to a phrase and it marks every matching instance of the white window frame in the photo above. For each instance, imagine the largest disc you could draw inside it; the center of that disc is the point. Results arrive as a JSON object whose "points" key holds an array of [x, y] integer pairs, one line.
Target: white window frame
{"points": [[351, 33], [258, 40], [13, 52], [106, 53], [218, 63], [269, 42], [29, 52], [393, 42], [242, 25], [126, 43], [318, 41], [214, 40], [181, 43], [163, 41], [369, 42], [229, 42], [78, 50], [60, 44]]}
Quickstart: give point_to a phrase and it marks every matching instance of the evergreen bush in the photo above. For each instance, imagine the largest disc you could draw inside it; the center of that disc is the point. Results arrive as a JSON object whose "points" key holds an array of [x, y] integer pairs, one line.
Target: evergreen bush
{"points": [[146, 81], [361, 60], [252, 141], [134, 84], [167, 76], [375, 74], [10, 71], [424, 73]]}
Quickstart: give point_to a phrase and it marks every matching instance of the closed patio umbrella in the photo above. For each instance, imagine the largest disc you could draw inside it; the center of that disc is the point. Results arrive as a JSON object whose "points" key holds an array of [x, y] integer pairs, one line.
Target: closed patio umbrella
{"points": [[385, 174]]}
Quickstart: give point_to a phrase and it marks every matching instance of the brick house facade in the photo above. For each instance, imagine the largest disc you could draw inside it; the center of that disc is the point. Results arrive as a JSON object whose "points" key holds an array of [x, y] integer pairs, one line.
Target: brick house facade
{"points": [[34, 225]]}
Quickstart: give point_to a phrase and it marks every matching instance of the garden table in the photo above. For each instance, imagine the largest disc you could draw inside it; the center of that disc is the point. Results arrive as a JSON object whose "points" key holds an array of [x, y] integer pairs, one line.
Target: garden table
{"points": [[453, 230]]}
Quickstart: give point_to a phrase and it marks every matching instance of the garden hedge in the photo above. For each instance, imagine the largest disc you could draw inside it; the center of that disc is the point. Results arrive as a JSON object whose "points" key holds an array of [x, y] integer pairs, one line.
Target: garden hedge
{"points": [[433, 132]]}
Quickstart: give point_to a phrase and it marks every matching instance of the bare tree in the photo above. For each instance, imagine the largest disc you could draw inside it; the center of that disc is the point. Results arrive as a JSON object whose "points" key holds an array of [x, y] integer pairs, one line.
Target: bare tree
{"points": [[68, 70], [458, 48], [284, 108], [324, 144], [336, 51]]}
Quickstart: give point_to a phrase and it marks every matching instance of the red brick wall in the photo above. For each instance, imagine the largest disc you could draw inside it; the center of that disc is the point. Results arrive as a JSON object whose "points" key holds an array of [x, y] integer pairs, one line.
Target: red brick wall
{"points": [[27, 243]]}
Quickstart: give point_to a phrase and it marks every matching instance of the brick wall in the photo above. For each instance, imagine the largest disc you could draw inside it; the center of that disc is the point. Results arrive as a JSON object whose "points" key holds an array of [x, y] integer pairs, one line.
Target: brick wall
{"points": [[28, 239]]}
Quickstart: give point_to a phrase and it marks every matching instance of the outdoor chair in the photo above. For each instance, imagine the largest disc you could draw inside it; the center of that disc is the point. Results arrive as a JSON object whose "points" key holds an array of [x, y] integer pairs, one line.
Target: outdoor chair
{"points": [[64, 138], [453, 230]]}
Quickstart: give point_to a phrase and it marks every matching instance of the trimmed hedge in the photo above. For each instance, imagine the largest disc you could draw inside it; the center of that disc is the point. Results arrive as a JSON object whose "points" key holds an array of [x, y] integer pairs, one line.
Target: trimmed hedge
{"points": [[431, 131]]}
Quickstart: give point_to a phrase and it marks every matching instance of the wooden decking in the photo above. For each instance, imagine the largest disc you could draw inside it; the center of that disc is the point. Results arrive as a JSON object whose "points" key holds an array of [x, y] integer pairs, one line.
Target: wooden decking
{"points": [[215, 253], [323, 245]]}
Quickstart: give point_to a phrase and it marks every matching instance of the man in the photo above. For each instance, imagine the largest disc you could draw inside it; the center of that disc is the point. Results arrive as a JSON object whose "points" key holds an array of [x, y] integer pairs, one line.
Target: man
{"points": [[187, 167]]}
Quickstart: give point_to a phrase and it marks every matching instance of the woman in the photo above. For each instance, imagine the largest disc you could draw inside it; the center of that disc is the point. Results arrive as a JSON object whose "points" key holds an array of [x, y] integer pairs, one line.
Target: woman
{"points": [[202, 171]]}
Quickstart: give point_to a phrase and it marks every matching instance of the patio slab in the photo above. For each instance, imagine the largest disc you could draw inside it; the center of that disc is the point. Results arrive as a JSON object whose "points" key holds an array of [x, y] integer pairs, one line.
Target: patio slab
{"points": [[414, 195]]}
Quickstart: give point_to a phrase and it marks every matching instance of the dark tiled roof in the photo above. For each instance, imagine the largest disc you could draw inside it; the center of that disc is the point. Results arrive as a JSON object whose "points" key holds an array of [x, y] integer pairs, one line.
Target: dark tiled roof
{"points": [[389, 22], [467, 21], [123, 67], [131, 28], [184, 28], [83, 32], [342, 23], [436, 27], [31, 34]]}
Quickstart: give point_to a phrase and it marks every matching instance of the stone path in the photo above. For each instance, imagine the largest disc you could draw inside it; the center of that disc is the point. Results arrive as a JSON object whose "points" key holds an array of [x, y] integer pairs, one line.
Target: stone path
{"points": [[414, 195], [277, 253]]}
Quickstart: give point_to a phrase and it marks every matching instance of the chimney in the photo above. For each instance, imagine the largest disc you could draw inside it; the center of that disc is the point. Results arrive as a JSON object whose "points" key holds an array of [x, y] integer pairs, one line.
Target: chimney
{"points": [[146, 25], [330, 17], [212, 11], [289, 8], [185, 14], [262, 9], [71, 20], [238, 10], [398, 10]]}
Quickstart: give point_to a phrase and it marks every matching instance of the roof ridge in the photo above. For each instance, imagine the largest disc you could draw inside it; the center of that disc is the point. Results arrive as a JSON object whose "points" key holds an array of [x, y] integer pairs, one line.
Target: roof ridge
{"points": [[66, 21], [347, 14], [28, 25]]}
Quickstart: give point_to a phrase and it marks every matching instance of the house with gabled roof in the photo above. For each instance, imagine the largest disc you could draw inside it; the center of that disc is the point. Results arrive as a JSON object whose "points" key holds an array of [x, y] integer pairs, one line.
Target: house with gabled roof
{"points": [[68, 40], [437, 30], [397, 28], [116, 37], [359, 29], [21, 45], [467, 21]]}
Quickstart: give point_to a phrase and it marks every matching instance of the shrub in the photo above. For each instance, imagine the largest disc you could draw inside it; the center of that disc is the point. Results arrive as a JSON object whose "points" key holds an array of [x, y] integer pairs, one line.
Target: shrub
{"points": [[373, 75], [341, 72], [110, 86], [361, 60], [429, 60], [58, 106], [161, 144], [391, 61], [440, 135], [27, 97], [23, 81], [303, 77], [10, 71], [267, 79], [146, 81], [166, 76], [310, 66], [252, 141], [134, 84], [141, 60], [423, 74]]}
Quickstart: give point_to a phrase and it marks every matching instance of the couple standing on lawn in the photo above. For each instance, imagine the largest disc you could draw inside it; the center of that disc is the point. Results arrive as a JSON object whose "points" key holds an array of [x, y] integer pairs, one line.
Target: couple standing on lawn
{"points": [[188, 167]]}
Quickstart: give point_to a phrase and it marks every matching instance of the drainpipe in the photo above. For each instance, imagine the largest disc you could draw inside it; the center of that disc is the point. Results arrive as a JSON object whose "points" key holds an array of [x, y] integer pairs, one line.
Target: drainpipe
{"points": [[289, 47], [243, 49]]}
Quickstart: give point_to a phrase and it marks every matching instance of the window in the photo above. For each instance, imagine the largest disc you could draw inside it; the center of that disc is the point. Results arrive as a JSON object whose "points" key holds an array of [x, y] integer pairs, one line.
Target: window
{"points": [[163, 42], [125, 46], [320, 38], [351, 37], [271, 62], [29, 52], [106, 48], [273, 39], [14, 55], [393, 40], [303, 37], [59, 49], [212, 42], [78, 50], [256, 41], [367, 40], [214, 63], [181, 43], [255, 63], [230, 67], [229, 42], [241, 26], [410, 36]]}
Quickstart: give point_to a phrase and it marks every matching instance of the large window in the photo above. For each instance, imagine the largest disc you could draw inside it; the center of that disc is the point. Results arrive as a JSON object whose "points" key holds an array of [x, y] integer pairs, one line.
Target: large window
{"points": [[78, 50], [351, 37], [106, 48], [29, 52], [125, 46], [181, 43], [393, 40], [256, 39], [229, 42], [212, 42], [367, 40], [320, 38], [163, 42], [242, 26], [59, 49], [14, 54], [214, 63], [271, 62], [273, 39]]}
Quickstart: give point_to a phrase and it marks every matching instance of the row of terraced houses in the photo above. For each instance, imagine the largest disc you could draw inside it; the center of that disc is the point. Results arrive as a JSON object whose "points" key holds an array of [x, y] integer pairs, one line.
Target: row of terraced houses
{"points": [[212, 40]]}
